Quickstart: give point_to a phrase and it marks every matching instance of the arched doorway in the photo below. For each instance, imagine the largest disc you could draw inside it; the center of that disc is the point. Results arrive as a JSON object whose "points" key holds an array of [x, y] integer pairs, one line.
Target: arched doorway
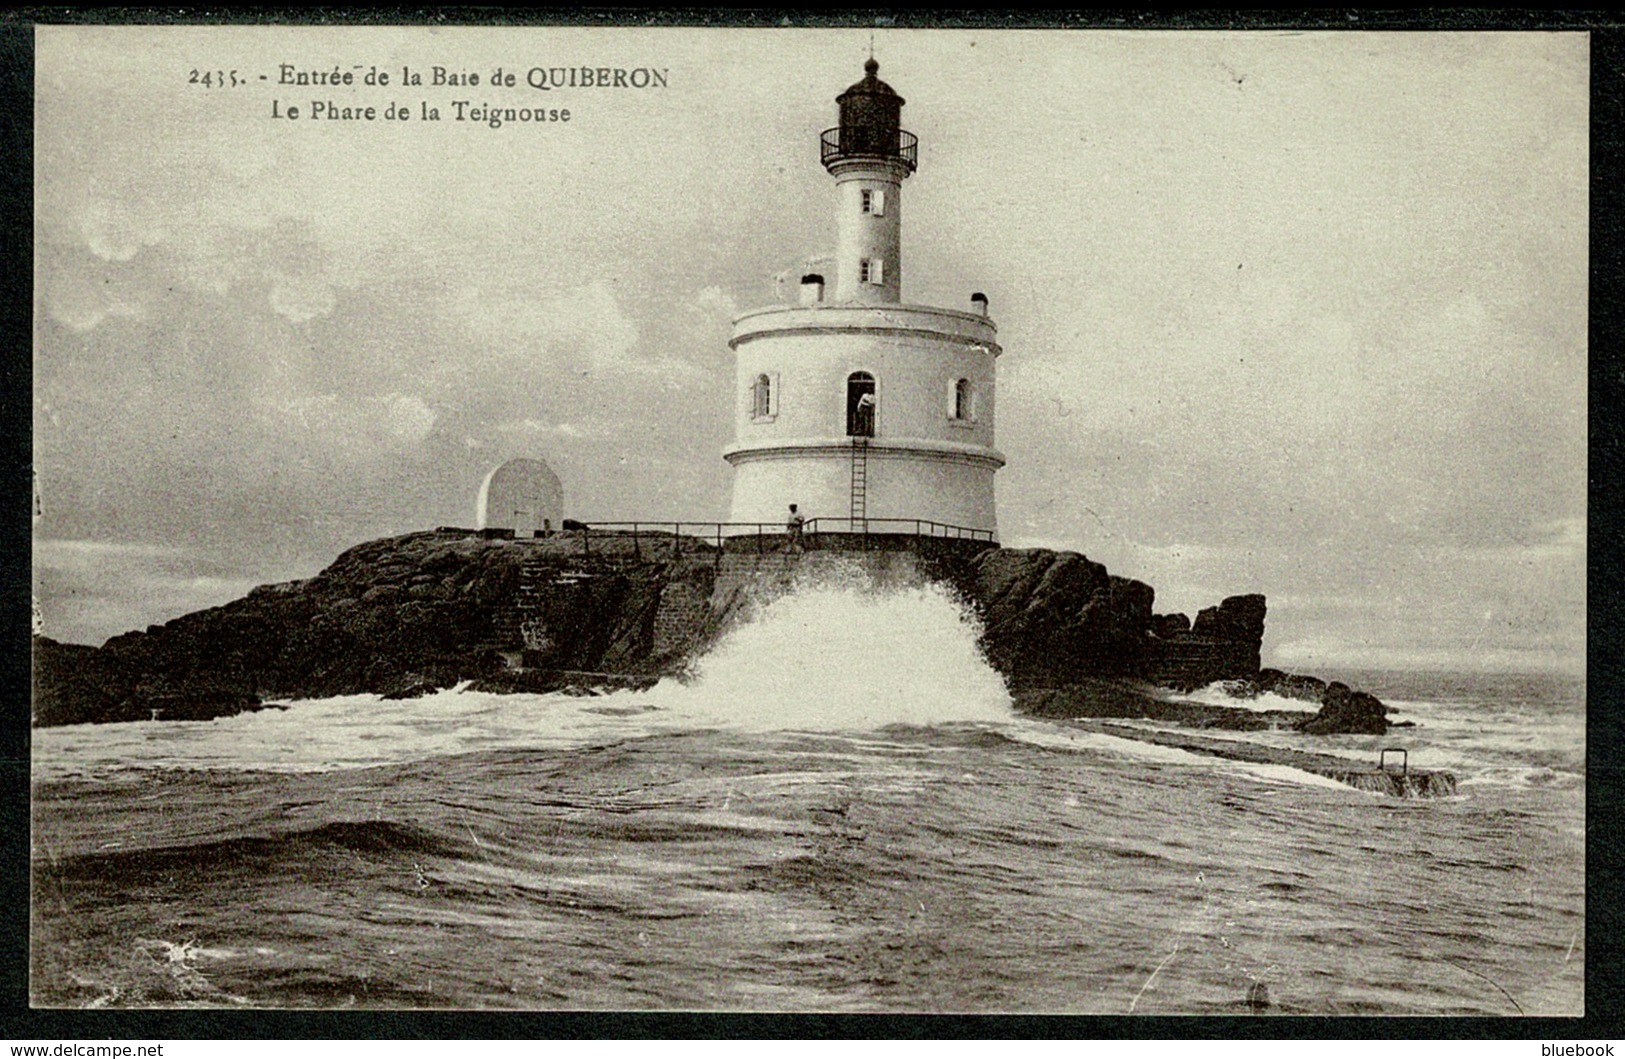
{"points": [[860, 405]]}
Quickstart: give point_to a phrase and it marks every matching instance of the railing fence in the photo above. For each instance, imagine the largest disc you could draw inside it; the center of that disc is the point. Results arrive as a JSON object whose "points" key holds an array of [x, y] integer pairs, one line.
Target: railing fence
{"points": [[767, 536]]}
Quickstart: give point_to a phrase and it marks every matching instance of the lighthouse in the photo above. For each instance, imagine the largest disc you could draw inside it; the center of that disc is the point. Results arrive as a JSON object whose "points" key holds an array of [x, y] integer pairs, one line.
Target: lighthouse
{"points": [[866, 412]]}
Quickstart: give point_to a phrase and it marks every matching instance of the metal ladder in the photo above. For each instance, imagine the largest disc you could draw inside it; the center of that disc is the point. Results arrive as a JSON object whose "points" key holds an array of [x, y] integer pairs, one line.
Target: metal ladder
{"points": [[860, 482]]}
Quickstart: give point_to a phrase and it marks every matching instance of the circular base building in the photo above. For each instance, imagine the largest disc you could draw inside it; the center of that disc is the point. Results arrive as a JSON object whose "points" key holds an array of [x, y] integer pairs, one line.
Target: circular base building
{"points": [[865, 413]]}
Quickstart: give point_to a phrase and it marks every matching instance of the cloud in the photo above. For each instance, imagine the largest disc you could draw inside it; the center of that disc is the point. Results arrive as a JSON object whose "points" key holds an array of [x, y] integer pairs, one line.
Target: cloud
{"points": [[362, 428], [79, 303], [591, 319], [1565, 535], [584, 328], [112, 234], [408, 418], [535, 428], [86, 554], [314, 412], [301, 298], [714, 301], [584, 323]]}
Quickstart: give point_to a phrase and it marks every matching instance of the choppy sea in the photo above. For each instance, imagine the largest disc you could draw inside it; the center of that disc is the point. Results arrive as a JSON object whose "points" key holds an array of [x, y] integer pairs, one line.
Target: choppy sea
{"points": [[835, 811]]}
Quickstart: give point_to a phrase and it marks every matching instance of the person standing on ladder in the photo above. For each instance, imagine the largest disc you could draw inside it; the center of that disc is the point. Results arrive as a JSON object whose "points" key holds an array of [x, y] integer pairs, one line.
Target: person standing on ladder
{"points": [[865, 416], [863, 428]]}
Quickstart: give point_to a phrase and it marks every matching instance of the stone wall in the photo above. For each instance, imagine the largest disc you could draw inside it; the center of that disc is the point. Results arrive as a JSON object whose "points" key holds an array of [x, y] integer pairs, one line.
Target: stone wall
{"points": [[779, 571], [1222, 644], [1188, 663], [684, 616]]}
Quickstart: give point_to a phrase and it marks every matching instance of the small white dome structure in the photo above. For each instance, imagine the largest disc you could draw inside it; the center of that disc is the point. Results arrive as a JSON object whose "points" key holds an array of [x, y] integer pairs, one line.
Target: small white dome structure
{"points": [[523, 495]]}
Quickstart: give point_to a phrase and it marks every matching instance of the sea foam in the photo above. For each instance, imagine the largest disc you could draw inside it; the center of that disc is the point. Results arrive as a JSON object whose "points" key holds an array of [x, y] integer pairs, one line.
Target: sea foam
{"points": [[845, 655]]}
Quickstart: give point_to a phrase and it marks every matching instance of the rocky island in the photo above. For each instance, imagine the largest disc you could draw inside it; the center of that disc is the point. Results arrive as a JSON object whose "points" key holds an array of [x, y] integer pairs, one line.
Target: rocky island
{"points": [[407, 615]]}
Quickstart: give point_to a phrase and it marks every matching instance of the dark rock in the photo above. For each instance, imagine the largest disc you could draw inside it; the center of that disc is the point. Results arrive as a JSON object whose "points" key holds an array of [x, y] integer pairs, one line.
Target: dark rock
{"points": [[1223, 644], [412, 686], [191, 704], [1168, 626], [1282, 685], [71, 685], [1344, 711], [508, 682], [1291, 685], [1087, 698], [279, 588], [1238, 618], [1129, 699], [1052, 617], [353, 628], [1126, 611]]}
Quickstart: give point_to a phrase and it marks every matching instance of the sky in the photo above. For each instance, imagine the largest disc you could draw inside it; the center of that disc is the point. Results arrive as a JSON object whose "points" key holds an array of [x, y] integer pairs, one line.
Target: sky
{"points": [[1293, 313]]}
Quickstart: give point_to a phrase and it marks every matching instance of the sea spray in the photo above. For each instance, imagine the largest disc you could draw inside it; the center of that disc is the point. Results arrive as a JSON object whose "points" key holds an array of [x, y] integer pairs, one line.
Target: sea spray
{"points": [[1221, 694], [842, 653]]}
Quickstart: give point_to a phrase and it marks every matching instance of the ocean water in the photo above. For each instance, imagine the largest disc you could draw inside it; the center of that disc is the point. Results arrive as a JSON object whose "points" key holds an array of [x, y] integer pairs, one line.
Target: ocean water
{"points": [[835, 811]]}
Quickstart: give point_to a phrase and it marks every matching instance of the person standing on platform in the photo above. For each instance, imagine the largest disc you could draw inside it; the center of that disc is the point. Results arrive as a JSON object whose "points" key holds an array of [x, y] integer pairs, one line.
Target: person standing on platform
{"points": [[792, 529]]}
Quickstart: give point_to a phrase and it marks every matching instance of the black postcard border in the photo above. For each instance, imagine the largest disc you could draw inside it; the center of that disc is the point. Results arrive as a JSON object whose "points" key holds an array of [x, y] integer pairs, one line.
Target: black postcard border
{"points": [[1605, 861]]}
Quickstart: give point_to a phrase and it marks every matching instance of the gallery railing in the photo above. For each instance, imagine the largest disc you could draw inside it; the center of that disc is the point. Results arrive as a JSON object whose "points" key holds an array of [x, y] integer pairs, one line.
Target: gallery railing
{"points": [[763, 536], [843, 142], [916, 527]]}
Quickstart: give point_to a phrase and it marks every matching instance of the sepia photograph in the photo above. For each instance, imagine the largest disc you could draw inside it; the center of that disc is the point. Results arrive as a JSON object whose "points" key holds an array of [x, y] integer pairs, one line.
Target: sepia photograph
{"points": [[525, 519]]}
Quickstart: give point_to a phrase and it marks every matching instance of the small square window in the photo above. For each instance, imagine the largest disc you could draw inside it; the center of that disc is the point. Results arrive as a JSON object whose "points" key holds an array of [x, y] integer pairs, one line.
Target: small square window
{"points": [[871, 270]]}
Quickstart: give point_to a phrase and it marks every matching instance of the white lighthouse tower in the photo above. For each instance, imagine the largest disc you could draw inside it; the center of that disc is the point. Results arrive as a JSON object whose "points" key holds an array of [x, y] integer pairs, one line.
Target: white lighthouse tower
{"points": [[865, 412]]}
